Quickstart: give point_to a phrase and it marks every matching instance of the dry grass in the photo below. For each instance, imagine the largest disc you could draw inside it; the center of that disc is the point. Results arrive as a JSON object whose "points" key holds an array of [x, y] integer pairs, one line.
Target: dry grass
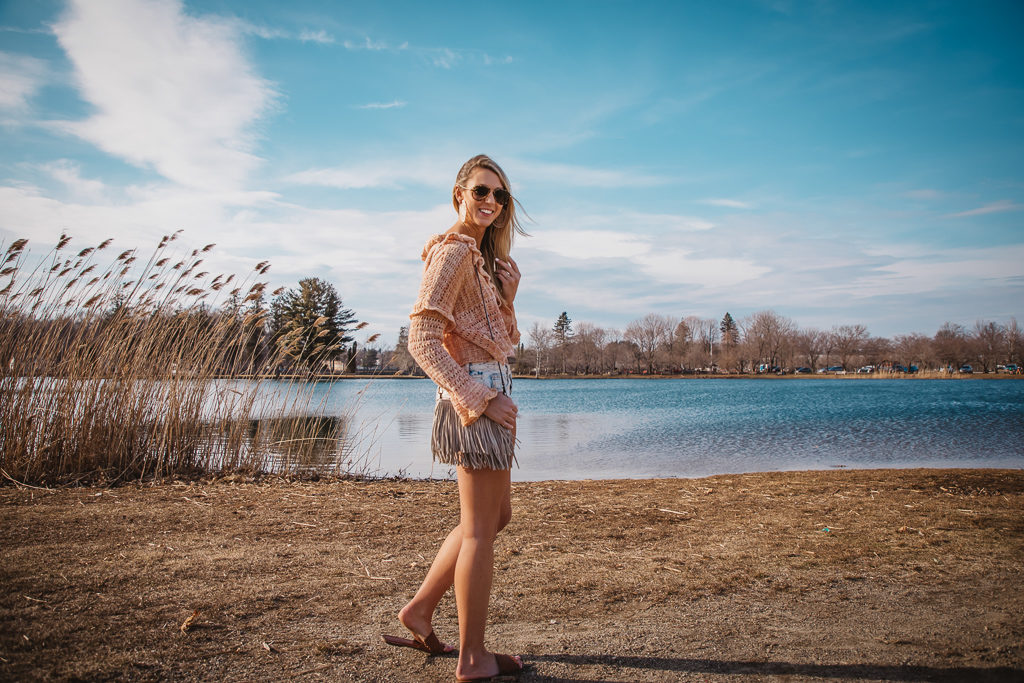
{"points": [[116, 371], [906, 575]]}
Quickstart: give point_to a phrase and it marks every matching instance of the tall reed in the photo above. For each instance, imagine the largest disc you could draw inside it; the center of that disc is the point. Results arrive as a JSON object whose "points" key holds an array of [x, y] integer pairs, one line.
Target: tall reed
{"points": [[117, 371]]}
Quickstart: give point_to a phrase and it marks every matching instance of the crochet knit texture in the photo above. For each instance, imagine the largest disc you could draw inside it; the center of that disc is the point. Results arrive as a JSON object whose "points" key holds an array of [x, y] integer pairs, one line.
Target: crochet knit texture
{"points": [[449, 327]]}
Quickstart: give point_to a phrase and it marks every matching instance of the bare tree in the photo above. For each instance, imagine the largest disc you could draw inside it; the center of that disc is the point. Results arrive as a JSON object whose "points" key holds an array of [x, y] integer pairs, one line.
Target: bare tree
{"points": [[651, 334], [912, 349], [989, 344], [401, 358], [587, 342], [848, 341], [1014, 342], [876, 350], [613, 350], [540, 337], [950, 345], [707, 339], [810, 345], [766, 332], [682, 339]]}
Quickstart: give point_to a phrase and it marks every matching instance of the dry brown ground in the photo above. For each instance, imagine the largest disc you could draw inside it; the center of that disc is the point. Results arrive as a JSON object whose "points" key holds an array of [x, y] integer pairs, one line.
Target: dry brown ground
{"points": [[905, 575]]}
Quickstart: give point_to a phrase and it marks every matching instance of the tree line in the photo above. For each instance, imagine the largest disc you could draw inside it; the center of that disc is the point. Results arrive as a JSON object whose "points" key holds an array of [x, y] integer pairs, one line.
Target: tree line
{"points": [[762, 342]]}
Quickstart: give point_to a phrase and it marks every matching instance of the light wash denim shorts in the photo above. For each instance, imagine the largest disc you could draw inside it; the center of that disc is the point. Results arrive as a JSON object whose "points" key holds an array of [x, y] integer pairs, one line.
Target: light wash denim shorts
{"points": [[493, 375]]}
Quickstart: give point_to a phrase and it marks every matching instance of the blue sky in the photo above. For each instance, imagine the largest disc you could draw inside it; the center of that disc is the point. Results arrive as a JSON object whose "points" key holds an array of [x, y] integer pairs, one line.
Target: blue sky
{"points": [[835, 162]]}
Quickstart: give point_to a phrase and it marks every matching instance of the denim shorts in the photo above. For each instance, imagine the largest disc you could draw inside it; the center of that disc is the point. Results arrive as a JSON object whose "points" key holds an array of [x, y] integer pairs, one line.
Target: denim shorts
{"points": [[492, 374]]}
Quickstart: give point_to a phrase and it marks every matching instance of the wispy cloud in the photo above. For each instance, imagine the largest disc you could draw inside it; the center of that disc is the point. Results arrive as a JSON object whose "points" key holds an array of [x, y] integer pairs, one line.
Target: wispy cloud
{"points": [[171, 91], [20, 78], [1001, 206], [384, 173], [582, 176], [320, 36], [727, 203], [444, 57], [489, 60], [396, 104], [368, 44]]}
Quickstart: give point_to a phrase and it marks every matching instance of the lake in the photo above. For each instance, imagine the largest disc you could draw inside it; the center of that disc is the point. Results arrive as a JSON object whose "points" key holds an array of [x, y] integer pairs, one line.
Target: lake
{"points": [[639, 428]]}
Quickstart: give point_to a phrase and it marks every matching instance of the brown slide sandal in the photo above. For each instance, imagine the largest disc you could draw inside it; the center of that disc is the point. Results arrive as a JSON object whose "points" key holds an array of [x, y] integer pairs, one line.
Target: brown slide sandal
{"points": [[430, 644]]}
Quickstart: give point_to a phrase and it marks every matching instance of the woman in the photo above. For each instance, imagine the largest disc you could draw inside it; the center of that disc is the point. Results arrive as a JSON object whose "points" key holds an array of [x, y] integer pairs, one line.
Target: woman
{"points": [[463, 330]]}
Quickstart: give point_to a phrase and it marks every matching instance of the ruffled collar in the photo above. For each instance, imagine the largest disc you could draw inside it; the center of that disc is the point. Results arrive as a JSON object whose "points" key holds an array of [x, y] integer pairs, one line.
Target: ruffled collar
{"points": [[478, 258], [446, 237]]}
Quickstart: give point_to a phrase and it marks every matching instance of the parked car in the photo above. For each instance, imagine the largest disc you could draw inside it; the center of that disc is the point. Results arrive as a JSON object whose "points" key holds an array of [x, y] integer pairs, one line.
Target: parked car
{"points": [[966, 369], [802, 371], [1012, 368], [866, 370], [837, 370], [911, 370]]}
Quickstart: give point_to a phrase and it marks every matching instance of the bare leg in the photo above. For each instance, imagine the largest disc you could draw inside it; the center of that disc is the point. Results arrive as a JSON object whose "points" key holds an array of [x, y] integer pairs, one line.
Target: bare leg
{"points": [[417, 615], [482, 498]]}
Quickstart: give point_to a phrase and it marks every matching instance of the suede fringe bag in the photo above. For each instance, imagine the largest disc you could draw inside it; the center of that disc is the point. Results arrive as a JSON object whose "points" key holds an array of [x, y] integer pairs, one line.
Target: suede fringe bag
{"points": [[484, 444]]}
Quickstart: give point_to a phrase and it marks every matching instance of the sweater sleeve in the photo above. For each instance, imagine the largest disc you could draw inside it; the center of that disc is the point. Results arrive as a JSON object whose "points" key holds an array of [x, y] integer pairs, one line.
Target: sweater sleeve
{"points": [[443, 277], [469, 398]]}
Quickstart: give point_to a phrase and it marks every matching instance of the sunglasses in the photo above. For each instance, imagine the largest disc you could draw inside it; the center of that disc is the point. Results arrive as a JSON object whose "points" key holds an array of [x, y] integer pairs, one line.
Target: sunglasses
{"points": [[480, 193]]}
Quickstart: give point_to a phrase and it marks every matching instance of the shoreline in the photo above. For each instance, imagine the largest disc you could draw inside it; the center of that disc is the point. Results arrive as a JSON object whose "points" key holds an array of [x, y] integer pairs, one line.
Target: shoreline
{"points": [[790, 376], [852, 574]]}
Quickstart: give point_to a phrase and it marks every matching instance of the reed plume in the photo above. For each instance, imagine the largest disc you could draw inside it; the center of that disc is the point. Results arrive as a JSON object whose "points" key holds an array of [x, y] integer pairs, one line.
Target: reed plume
{"points": [[134, 369]]}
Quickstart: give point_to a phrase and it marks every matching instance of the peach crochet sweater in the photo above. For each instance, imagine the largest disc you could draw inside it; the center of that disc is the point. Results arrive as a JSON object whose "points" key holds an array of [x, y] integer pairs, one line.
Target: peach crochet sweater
{"points": [[449, 328]]}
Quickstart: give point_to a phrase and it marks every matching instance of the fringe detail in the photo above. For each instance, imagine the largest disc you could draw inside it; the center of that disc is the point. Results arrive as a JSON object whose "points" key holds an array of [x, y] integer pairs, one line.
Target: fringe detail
{"points": [[483, 445]]}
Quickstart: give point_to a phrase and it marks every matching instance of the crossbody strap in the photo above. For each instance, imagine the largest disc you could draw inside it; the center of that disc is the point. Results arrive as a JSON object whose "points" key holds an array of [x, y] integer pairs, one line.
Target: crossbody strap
{"points": [[487, 316]]}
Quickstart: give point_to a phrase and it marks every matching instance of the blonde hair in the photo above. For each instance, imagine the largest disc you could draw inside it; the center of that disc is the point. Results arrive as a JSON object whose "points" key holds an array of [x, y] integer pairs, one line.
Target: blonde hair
{"points": [[497, 241]]}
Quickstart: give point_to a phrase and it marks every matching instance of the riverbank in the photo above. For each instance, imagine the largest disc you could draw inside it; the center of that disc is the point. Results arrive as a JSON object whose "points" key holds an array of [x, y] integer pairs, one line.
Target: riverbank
{"points": [[858, 575]]}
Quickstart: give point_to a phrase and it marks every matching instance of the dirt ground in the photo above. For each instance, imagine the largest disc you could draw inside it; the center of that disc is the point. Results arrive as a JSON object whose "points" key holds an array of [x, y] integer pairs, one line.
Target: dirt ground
{"points": [[875, 575]]}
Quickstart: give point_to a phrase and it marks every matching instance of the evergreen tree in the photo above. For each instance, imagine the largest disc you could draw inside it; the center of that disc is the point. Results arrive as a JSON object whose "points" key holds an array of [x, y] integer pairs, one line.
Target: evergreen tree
{"points": [[563, 329], [311, 324], [563, 334], [730, 331]]}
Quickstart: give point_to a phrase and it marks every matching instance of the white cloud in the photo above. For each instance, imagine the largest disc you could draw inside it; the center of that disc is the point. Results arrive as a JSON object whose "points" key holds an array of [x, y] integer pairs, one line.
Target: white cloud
{"points": [[727, 203], [320, 36], [396, 104], [171, 91], [367, 44], [69, 174], [942, 271], [20, 79], [993, 207]]}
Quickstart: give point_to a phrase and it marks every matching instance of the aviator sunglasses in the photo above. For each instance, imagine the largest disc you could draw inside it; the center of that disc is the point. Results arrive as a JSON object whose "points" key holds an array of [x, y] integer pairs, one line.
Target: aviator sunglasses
{"points": [[480, 193]]}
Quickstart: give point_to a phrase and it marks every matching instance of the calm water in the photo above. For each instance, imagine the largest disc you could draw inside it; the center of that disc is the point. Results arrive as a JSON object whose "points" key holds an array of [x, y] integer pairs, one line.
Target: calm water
{"points": [[593, 429]]}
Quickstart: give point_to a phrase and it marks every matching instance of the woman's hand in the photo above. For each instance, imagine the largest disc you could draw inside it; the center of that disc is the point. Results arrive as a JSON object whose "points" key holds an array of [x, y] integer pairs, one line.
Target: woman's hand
{"points": [[502, 410], [508, 273]]}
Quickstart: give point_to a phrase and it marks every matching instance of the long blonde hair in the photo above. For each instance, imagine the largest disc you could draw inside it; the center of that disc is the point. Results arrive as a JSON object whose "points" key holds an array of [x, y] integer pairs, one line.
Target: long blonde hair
{"points": [[497, 240]]}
